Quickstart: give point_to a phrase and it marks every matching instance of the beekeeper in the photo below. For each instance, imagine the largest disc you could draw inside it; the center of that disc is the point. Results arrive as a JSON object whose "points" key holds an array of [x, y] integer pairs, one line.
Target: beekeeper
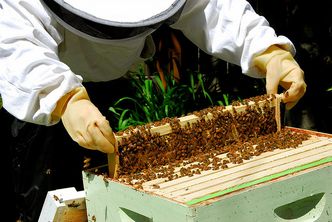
{"points": [[48, 48]]}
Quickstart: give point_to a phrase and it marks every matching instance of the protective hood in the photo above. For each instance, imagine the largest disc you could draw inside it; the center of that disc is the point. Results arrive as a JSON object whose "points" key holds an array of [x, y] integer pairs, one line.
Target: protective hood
{"points": [[114, 19]]}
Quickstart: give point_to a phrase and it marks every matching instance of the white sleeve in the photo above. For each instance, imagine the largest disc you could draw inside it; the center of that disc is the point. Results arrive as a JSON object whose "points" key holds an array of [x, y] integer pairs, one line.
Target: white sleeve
{"points": [[229, 30], [32, 79]]}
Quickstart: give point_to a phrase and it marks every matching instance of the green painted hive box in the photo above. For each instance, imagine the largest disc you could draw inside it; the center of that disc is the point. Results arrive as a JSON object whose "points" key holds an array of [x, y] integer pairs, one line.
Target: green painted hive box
{"points": [[293, 185]]}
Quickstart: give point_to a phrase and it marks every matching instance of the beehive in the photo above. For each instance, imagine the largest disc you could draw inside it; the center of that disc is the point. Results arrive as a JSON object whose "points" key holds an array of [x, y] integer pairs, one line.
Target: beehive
{"points": [[277, 185]]}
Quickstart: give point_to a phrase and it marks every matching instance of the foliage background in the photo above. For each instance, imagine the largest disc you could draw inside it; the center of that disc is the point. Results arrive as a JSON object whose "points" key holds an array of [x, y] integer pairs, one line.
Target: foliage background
{"points": [[308, 24]]}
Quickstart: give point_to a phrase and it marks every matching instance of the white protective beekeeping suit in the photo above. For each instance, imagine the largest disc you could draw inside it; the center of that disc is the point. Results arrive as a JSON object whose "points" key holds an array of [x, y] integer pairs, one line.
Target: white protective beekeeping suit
{"points": [[45, 53], [35, 72]]}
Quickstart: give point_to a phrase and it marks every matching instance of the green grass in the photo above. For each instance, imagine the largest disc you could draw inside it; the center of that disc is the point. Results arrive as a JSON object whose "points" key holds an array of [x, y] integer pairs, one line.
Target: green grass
{"points": [[152, 101]]}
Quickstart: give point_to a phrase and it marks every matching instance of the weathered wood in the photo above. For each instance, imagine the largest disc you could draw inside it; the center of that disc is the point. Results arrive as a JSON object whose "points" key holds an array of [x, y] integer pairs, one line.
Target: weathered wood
{"points": [[190, 119], [266, 157], [113, 158], [64, 205], [285, 184], [187, 188], [113, 161]]}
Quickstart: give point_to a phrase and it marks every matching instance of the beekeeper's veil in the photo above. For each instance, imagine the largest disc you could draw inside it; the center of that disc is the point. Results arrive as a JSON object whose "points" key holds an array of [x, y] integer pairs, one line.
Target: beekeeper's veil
{"points": [[114, 19]]}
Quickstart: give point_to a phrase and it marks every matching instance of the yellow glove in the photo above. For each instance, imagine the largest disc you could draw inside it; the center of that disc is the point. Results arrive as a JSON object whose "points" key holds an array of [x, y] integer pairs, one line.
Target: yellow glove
{"points": [[84, 122], [281, 68]]}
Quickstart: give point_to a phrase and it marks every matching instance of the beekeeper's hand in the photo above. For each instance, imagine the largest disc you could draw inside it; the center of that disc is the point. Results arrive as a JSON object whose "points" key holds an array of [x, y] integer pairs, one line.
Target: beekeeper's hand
{"points": [[84, 122], [281, 68]]}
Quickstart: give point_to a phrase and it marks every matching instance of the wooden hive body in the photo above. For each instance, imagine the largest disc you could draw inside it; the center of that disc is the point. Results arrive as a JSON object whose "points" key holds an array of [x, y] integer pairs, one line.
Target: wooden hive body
{"points": [[280, 185]]}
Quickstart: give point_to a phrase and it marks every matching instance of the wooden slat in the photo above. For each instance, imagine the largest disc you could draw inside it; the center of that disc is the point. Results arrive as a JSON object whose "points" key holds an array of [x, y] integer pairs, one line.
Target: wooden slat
{"points": [[113, 161], [187, 188], [113, 158], [204, 191], [236, 168], [246, 169], [190, 119], [162, 184]]}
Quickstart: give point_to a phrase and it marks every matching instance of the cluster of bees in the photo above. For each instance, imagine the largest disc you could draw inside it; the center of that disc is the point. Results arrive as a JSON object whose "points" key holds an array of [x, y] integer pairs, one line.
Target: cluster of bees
{"points": [[208, 144]]}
